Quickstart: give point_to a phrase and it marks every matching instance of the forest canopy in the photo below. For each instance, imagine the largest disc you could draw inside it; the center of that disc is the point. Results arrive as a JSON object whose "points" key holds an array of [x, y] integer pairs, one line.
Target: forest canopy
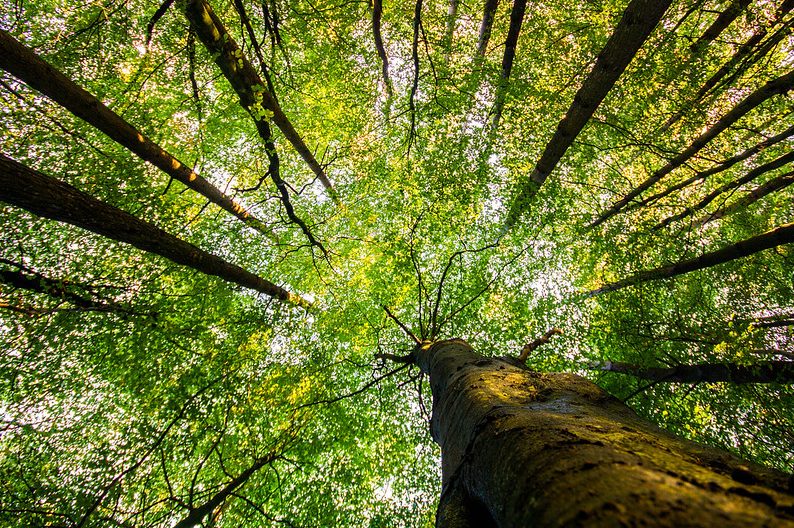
{"points": [[225, 223]]}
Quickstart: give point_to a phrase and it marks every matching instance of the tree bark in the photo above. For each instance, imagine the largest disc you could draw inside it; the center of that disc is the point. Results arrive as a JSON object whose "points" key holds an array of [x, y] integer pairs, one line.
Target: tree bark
{"points": [[774, 87], [238, 70], [776, 237], [520, 448], [761, 372], [639, 19], [45, 196], [21, 62]]}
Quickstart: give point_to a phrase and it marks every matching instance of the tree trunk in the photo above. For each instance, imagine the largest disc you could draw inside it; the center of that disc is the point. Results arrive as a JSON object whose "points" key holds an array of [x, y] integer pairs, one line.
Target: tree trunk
{"points": [[776, 237], [377, 13], [721, 23], [747, 178], [45, 196], [488, 14], [759, 372], [253, 93], [511, 43], [24, 64], [774, 87], [725, 165], [639, 19], [521, 448], [773, 185]]}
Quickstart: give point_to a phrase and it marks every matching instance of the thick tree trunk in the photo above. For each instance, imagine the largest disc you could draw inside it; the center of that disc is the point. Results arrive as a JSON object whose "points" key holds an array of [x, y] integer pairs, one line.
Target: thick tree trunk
{"points": [[521, 448], [759, 372], [639, 19], [45, 196], [781, 85], [21, 62], [776, 237]]}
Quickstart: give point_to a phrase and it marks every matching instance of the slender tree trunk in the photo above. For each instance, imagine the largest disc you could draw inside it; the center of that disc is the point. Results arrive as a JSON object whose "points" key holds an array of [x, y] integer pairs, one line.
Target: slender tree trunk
{"points": [[639, 19], [50, 198], [21, 62], [745, 55], [776, 237], [761, 372], [238, 70], [722, 22], [747, 178], [520, 448], [488, 14], [377, 13], [449, 30], [511, 43], [773, 185], [725, 165], [774, 87]]}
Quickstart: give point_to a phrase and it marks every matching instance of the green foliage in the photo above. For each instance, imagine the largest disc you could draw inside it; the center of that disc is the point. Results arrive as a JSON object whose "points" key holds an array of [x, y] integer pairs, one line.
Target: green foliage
{"points": [[134, 417]]}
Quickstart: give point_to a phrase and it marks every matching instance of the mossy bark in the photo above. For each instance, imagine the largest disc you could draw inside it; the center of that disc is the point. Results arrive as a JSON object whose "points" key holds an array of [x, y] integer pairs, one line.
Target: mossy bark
{"points": [[520, 448]]}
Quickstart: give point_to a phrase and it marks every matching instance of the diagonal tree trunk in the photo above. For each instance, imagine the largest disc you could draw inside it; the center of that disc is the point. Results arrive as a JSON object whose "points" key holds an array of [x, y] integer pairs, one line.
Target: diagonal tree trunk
{"points": [[747, 178], [773, 185], [21, 62], [776, 237], [520, 448], [774, 87], [639, 19], [762, 372], [238, 70], [45, 196], [745, 55], [725, 165], [722, 22]]}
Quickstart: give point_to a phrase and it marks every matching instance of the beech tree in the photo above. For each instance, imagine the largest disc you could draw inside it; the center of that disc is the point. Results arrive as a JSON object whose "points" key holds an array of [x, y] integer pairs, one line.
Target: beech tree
{"points": [[464, 265]]}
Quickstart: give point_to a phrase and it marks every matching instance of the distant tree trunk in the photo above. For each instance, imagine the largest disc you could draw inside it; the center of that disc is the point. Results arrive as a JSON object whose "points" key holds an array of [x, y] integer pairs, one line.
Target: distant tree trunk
{"points": [[721, 23], [45, 196], [759, 372], [377, 13], [747, 178], [776, 237], [725, 165], [520, 448], [639, 19], [781, 85], [488, 14], [773, 185], [240, 73], [511, 43]]}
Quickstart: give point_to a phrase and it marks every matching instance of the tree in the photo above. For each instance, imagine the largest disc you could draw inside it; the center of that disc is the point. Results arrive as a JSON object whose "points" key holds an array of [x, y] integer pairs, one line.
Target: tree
{"points": [[550, 185]]}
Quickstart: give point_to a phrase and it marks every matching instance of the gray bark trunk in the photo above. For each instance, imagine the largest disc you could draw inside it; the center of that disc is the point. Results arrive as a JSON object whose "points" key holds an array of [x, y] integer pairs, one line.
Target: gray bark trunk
{"points": [[521, 448], [760, 372]]}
